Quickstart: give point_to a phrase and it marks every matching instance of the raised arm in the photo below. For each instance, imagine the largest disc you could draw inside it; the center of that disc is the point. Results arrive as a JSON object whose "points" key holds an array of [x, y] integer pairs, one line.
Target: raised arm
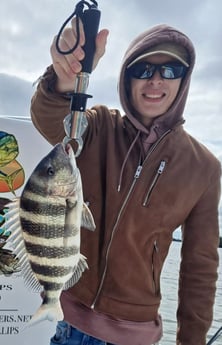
{"points": [[50, 103]]}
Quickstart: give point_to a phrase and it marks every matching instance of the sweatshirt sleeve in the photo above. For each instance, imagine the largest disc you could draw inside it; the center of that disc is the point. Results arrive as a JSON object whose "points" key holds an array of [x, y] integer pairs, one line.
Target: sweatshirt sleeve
{"points": [[199, 264], [49, 108]]}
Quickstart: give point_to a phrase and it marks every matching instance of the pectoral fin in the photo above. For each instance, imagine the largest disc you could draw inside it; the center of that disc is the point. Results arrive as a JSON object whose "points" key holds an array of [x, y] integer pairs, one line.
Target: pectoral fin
{"points": [[87, 218]]}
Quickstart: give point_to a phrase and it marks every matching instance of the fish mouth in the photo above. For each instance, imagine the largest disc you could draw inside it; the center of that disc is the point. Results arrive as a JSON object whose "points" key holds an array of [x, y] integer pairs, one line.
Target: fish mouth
{"points": [[67, 148]]}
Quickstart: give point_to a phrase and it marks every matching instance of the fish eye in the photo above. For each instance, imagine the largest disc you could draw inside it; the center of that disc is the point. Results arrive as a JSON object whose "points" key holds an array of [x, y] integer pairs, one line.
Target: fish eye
{"points": [[50, 171]]}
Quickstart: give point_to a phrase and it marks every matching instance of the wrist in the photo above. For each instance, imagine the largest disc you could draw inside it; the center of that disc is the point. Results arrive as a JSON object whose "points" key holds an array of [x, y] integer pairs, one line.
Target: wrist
{"points": [[49, 82], [64, 87]]}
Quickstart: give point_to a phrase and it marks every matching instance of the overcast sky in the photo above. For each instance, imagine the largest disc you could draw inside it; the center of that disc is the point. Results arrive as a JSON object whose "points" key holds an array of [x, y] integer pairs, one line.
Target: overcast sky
{"points": [[27, 29]]}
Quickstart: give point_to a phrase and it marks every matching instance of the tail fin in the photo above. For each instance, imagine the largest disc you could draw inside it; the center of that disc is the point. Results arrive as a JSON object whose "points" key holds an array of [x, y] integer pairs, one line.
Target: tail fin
{"points": [[47, 312]]}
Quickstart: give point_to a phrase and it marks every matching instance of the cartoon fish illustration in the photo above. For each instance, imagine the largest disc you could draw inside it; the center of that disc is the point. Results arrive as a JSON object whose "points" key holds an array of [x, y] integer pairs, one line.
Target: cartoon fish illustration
{"points": [[45, 225], [8, 148], [11, 172]]}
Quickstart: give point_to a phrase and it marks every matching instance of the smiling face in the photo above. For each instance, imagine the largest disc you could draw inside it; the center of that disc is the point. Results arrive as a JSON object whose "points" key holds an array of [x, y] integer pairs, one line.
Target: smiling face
{"points": [[153, 97]]}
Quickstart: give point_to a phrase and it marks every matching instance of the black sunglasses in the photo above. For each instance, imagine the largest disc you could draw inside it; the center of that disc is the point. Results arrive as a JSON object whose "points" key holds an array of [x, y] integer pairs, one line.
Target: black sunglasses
{"points": [[145, 70]]}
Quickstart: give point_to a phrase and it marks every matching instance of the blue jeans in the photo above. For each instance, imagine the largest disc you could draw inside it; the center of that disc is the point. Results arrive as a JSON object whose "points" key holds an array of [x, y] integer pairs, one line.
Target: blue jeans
{"points": [[68, 335]]}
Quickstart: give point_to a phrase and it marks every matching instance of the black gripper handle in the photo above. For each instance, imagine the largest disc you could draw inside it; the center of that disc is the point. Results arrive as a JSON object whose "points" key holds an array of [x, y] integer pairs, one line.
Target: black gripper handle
{"points": [[90, 19]]}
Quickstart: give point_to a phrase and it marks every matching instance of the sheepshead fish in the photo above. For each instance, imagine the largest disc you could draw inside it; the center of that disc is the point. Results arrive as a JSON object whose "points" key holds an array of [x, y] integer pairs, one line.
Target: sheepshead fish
{"points": [[45, 229]]}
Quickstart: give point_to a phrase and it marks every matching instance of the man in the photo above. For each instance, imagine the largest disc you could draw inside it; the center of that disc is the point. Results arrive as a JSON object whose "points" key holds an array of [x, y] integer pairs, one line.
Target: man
{"points": [[143, 176]]}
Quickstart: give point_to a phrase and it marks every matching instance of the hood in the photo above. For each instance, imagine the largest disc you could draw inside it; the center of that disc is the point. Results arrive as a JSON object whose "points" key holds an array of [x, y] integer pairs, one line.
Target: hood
{"points": [[144, 42]]}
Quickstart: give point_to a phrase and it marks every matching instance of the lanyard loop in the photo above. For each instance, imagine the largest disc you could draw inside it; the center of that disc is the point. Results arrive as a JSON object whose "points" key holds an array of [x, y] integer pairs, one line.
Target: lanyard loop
{"points": [[79, 14], [90, 17]]}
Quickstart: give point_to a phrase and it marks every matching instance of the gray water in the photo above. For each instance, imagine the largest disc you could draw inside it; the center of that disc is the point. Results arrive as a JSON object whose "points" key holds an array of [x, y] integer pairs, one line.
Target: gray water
{"points": [[169, 285]]}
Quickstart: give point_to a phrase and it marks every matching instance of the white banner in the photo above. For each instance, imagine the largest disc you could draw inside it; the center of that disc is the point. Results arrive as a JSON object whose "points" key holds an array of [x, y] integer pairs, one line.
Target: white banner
{"points": [[21, 149]]}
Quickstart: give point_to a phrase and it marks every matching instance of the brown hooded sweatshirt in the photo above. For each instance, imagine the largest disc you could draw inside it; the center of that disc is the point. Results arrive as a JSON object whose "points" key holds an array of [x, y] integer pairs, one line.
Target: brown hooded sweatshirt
{"points": [[138, 199]]}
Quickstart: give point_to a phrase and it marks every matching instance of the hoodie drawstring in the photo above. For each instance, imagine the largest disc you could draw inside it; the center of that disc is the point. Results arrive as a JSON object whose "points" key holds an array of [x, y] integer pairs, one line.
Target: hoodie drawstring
{"points": [[148, 139]]}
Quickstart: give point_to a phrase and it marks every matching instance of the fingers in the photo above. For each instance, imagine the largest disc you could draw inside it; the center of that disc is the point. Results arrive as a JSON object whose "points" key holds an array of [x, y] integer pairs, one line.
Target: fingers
{"points": [[78, 24], [68, 65], [67, 41]]}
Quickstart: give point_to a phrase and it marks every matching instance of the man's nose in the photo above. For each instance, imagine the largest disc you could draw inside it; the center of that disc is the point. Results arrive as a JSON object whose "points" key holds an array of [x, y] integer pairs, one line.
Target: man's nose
{"points": [[156, 77]]}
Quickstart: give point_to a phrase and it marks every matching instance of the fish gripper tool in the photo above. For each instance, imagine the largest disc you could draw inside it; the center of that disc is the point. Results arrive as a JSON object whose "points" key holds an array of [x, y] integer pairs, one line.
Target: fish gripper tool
{"points": [[76, 123]]}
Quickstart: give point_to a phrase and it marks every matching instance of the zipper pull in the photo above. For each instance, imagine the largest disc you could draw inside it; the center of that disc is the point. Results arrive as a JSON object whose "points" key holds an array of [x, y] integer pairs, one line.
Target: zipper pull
{"points": [[161, 167], [138, 171], [156, 246]]}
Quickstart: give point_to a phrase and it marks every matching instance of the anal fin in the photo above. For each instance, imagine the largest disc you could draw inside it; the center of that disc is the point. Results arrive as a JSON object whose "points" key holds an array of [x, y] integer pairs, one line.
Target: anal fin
{"points": [[78, 271]]}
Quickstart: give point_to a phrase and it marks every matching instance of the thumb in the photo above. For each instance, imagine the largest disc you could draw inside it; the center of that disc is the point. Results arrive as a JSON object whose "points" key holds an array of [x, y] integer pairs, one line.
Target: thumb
{"points": [[101, 40]]}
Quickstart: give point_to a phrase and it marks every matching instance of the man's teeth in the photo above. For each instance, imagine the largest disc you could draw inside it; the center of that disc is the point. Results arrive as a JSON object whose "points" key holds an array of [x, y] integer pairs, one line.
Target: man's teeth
{"points": [[153, 96]]}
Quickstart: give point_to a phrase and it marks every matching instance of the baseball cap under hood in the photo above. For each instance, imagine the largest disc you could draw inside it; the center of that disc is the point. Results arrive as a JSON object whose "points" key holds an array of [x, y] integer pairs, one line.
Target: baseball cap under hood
{"points": [[146, 42]]}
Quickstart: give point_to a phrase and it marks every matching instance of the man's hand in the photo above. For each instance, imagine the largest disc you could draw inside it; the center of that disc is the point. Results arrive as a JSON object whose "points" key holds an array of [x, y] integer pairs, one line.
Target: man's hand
{"points": [[67, 66]]}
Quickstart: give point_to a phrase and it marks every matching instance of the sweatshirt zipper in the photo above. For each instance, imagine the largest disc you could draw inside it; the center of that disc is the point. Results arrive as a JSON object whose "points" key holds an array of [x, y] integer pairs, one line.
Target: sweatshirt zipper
{"points": [[158, 173], [136, 176], [155, 252]]}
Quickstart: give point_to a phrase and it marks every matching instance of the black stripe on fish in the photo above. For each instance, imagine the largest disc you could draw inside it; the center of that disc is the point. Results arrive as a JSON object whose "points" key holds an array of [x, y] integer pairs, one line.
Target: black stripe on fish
{"points": [[51, 286], [42, 230], [51, 252], [48, 231], [50, 300], [51, 271], [42, 208]]}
